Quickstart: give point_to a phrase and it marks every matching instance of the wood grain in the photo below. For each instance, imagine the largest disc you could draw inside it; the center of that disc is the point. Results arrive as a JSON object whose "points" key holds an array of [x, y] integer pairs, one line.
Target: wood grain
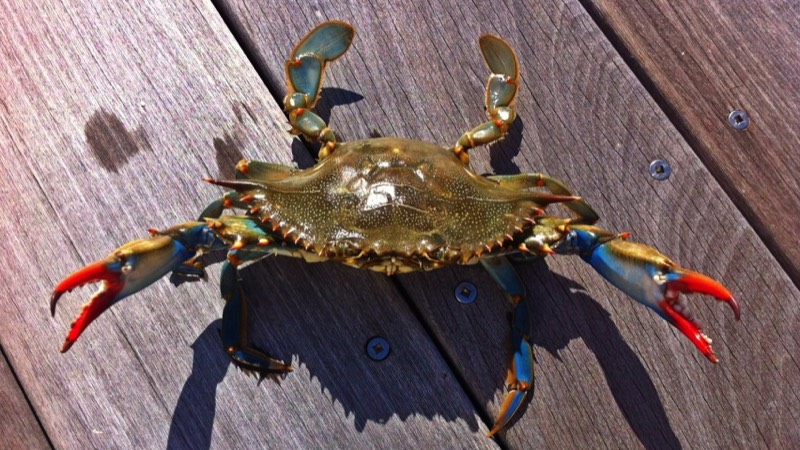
{"points": [[110, 113], [18, 425], [704, 60], [610, 374]]}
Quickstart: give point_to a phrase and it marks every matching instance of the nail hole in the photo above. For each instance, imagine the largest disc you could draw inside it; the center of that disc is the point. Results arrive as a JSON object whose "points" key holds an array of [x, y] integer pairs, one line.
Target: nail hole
{"points": [[378, 348], [660, 169], [466, 292]]}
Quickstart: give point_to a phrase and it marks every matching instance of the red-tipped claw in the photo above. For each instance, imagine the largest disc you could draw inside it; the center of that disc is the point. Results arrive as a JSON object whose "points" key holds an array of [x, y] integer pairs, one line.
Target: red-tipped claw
{"points": [[655, 281], [106, 272], [127, 270], [684, 280]]}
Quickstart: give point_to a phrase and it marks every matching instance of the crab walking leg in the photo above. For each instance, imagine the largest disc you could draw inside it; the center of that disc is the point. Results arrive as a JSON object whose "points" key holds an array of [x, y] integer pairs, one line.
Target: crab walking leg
{"points": [[305, 71], [648, 277], [234, 326], [227, 201], [520, 371], [586, 215], [245, 170], [501, 89], [248, 242], [248, 169]]}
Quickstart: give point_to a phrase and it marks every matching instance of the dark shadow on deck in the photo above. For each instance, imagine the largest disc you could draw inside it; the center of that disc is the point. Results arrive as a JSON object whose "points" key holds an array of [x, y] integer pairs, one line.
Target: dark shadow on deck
{"points": [[567, 313], [330, 346], [110, 140], [371, 391], [193, 419], [502, 153]]}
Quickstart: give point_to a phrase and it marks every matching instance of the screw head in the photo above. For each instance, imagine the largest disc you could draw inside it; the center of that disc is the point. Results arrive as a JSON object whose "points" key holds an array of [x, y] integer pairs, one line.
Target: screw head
{"points": [[738, 119], [660, 169], [466, 292], [378, 348]]}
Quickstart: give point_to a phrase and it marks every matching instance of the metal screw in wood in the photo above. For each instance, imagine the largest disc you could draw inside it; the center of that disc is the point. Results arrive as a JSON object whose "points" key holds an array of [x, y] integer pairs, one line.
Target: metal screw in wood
{"points": [[738, 119], [378, 348], [466, 292], [660, 169]]}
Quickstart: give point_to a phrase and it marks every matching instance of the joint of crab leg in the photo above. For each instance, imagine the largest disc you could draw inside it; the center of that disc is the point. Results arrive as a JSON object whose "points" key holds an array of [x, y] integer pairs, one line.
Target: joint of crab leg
{"points": [[461, 153]]}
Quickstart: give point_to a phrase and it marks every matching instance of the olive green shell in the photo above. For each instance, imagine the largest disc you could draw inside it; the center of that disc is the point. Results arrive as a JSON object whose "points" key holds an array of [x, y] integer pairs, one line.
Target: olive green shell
{"points": [[389, 198]]}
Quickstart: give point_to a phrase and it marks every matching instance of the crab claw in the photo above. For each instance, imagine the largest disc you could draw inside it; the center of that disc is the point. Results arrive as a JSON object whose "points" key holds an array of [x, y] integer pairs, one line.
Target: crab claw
{"points": [[128, 270], [103, 271], [654, 280]]}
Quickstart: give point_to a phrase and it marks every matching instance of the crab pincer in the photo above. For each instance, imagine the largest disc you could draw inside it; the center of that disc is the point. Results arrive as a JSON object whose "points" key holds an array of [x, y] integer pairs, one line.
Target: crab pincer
{"points": [[655, 281], [129, 269]]}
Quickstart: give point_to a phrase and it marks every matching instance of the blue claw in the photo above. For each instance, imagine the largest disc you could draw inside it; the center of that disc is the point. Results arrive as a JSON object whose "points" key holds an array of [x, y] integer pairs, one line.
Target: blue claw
{"points": [[648, 277], [131, 268]]}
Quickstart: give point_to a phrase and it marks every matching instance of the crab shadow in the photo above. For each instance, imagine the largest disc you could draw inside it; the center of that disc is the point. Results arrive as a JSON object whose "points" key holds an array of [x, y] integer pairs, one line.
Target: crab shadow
{"points": [[305, 315], [569, 313], [193, 418], [502, 153], [324, 335], [331, 97]]}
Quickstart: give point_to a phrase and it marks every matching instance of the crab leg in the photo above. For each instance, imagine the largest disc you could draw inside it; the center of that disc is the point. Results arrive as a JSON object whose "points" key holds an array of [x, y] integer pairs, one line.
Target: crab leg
{"points": [[234, 326], [520, 371], [248, 242], [501, 89], [648, 277], [215, 208], [305, 71], [245, 170]]}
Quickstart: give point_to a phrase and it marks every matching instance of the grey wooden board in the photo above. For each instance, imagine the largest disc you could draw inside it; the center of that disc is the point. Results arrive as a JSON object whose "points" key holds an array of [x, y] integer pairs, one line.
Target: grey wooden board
{"points": [[706, 59], [18, 426], [110, 114], [610, 373]]}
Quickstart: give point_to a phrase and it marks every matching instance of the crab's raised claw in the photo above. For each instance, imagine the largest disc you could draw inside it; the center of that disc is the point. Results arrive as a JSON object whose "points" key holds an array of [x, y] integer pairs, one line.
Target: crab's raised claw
{"points": [[128, 270], [652, 279]]}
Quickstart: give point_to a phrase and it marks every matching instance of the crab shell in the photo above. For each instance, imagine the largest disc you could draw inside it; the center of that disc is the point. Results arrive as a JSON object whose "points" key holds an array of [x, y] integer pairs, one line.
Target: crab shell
{"points": [[391, 205]]}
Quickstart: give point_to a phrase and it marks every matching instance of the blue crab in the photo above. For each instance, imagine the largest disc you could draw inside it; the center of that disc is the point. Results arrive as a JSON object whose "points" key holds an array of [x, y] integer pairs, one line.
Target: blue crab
{"points": [[392, 205]]}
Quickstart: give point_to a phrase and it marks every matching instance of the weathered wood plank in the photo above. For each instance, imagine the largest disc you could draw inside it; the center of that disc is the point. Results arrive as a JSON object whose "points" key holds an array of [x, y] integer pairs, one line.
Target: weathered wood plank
{"points": [[705, 60], [18, 425], [111, 112], [610, 374]]}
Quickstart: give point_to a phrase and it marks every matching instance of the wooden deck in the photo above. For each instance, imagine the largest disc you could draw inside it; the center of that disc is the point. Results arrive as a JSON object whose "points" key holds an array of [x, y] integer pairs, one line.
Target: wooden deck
{"points": [[112, 111]]}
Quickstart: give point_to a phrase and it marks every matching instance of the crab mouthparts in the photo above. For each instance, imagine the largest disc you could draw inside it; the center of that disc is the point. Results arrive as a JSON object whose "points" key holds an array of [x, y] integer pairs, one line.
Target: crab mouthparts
{"points": [[678, 312], [111, 284]]}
